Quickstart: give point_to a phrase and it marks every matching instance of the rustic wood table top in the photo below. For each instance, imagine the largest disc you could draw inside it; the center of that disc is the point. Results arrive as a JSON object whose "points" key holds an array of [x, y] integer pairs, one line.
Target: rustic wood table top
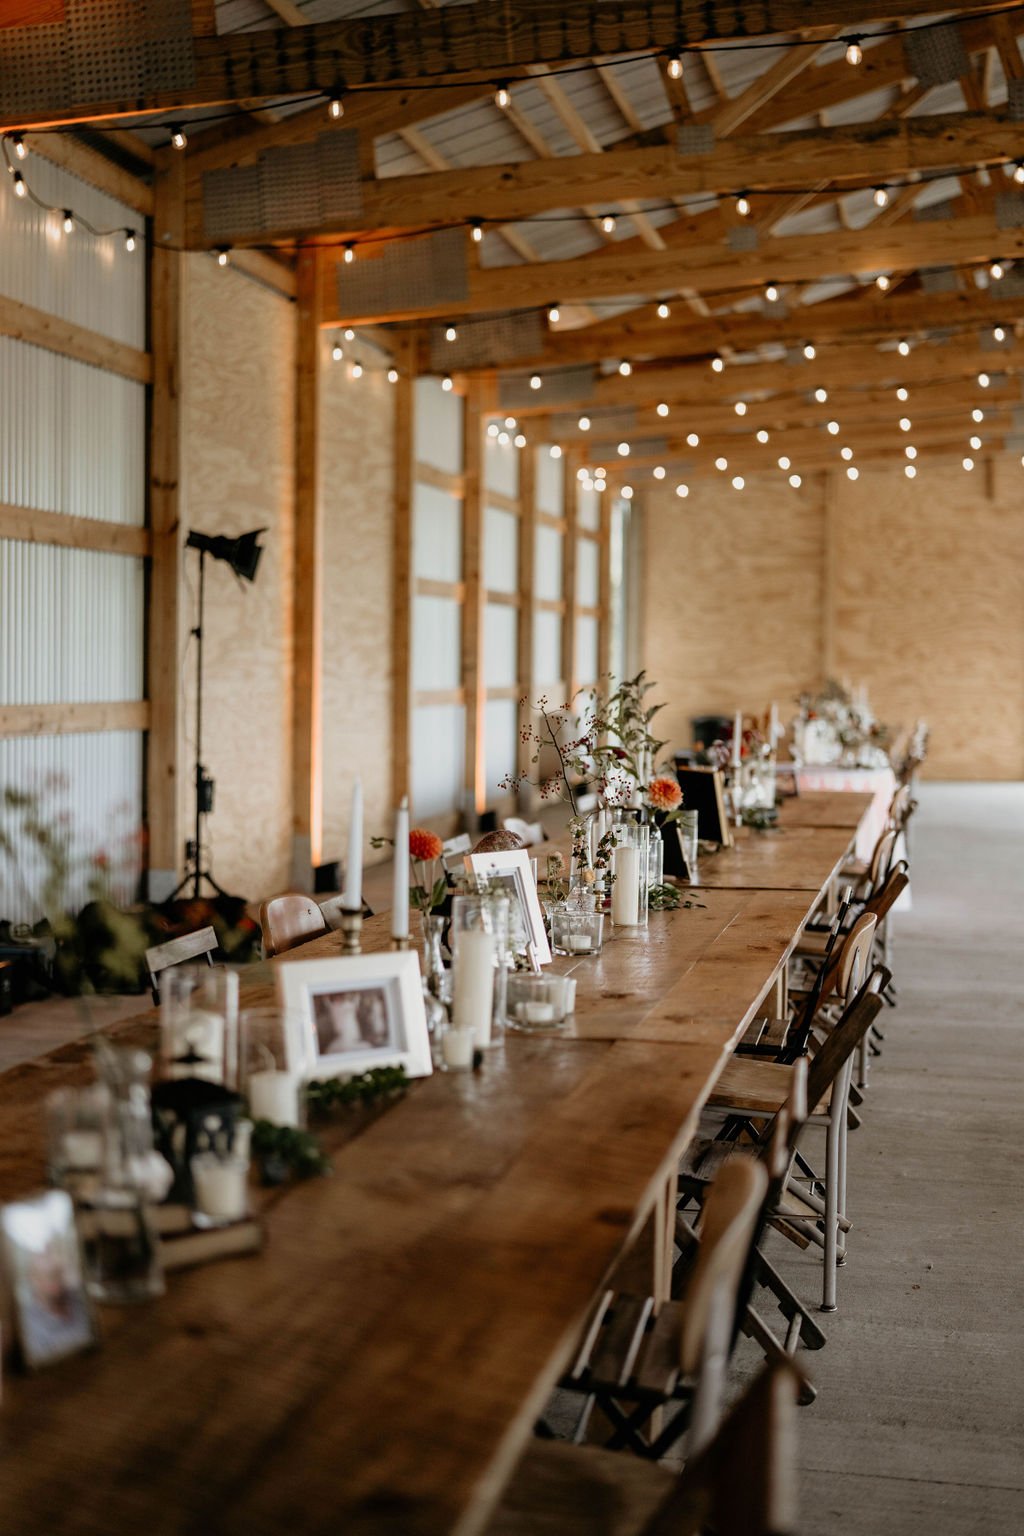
{"points": [[379, 1367], [826, 808], [781, 858]]}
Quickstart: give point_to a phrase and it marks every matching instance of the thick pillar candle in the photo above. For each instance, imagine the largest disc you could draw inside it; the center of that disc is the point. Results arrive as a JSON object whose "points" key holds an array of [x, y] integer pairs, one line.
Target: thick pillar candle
{"points": [[274, 1096], [473, 983], [400, 887], [352, 897], [626, 889]]}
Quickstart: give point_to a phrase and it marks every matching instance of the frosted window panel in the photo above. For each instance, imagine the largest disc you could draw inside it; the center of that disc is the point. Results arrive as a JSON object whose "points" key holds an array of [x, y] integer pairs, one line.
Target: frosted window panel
{"points": [[501, 550], [71, 625], [586, 651], [94, 778], [438, 759], [500, 662], [501, 467], [501, 726], [587, 573], [547, 563], [437, 534], [437, 429], [436, 637], [548, 483], [588, 508], [547, 647]]}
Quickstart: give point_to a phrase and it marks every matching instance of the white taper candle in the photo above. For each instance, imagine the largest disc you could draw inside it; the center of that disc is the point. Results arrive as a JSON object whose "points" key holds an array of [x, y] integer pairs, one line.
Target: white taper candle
{"points": [[352, 897]]}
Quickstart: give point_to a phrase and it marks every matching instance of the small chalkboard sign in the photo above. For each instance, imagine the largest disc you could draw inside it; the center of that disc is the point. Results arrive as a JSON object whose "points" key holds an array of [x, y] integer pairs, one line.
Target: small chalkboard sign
{"points": [[703, 792]]}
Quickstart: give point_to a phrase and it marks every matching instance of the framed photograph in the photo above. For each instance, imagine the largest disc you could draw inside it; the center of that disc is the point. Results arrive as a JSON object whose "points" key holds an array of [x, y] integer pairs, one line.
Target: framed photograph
{"points": [[43, 1261], [513, 870], [346, 1015]]}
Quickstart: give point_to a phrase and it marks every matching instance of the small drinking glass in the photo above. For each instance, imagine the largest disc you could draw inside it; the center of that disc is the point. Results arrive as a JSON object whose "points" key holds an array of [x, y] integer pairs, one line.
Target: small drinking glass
{"points": [[688, 825], [120, 1250], [536, 1002]]}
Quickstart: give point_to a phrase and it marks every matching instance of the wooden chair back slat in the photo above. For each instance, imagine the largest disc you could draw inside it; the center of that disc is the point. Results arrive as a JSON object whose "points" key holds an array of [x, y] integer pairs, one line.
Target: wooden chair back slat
{"points": [[187, 946], [841, 1043], [853, 959], [882, 904], [731, 1210], [288, 921], [744, 1482]]}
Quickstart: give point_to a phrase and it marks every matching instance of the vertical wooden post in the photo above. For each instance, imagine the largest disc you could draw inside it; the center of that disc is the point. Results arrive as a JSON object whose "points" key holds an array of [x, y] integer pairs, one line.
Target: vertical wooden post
{"points": [[604, 588], [401, 634], [163, 619], [307, 618], [829, 659], [570, 511], [527, 604], [475, 601]]}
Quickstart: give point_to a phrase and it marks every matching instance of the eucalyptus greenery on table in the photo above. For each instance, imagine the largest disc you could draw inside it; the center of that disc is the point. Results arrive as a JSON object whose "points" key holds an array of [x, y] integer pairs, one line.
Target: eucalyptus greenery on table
{"points": [[669, 898], [283, 1151]]}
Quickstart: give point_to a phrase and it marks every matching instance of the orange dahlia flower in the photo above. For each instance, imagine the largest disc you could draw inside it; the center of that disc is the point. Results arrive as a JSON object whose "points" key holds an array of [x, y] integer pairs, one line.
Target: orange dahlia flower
{"points": [[664, 794], [424, 845]]}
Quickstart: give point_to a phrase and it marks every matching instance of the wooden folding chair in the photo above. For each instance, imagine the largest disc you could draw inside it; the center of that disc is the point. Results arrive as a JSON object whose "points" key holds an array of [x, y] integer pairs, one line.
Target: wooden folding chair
{"points": [[288, 921], [637, 1357], [748, 1093], [743, 1482], [189, 946]]}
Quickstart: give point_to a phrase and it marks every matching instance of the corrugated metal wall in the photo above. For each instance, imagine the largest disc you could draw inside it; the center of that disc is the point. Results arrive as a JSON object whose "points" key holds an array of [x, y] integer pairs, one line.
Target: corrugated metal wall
{"points": [[72, 440]]}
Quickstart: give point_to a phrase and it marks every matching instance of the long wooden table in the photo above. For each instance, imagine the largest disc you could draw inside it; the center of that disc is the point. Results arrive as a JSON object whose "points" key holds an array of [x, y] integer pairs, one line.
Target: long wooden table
{"points": [[379, 1368]]}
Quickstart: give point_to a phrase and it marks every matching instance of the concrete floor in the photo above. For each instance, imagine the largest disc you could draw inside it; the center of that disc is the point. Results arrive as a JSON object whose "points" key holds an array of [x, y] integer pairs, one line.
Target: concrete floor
{"points": [[919, 1423]]}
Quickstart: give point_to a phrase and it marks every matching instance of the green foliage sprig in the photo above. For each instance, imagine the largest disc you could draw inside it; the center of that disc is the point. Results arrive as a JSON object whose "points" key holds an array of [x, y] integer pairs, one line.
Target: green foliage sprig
{"points": [[668, 898], [282, 1150], [326, 1094]]}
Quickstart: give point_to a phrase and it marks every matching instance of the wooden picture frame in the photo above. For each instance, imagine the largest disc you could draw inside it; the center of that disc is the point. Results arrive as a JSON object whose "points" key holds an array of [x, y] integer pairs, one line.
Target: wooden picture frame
{"points": [[704, 792], [346, 1015], [514, 869], [49, 1304]]}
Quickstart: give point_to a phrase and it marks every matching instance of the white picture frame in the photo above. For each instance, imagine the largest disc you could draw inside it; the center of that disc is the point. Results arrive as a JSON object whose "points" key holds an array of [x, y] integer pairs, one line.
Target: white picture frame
{"points": [[45, 1279], [514, 869], [347, 1015]]}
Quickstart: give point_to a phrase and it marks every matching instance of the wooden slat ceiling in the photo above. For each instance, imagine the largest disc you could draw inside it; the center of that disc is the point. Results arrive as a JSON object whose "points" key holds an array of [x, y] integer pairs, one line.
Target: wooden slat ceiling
{"points": [[680, 278]]}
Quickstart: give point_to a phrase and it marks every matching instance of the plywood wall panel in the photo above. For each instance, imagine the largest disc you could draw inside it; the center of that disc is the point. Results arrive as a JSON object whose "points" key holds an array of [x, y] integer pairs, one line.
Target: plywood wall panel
{"points": [[924, 603], [239, 371], [357, 456], [731, 611], [929, 610]]}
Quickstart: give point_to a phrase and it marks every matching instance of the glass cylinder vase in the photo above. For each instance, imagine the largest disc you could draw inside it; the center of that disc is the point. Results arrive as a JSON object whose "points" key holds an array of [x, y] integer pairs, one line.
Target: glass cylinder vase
{"points": [[630, 870], [479, 941]]}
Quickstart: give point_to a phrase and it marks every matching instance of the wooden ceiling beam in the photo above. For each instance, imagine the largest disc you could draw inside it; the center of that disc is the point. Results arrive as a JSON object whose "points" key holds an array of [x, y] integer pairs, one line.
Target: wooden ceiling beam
{"points": [[711, 267], [845, 368], [482, 37], [852, 155]]}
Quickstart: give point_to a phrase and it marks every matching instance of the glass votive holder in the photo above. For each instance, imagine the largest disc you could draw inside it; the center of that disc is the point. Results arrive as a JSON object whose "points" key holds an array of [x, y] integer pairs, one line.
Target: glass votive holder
{"points": [[479, 944], [120, 1250], [576, 932], [453, 1047], [274, 1091], [536, 1002], [79, 1123], [221, 1183], [199, 1023]]}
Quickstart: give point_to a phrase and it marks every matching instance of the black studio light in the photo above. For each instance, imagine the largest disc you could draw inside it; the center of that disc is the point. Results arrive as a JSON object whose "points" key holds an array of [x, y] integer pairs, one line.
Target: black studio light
{"points": [[242, 554]]}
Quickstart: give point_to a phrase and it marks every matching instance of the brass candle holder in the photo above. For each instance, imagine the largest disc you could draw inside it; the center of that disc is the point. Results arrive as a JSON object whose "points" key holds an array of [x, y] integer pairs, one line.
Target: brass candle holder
{"points": [[399, 943], [351, 932]]}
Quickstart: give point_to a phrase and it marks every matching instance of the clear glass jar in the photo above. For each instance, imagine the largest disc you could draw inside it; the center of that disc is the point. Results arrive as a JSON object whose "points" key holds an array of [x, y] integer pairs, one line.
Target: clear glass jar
{"points": [[536, 1002], [274, 1091], [630, 870], [199, 1023], [655, 857], [480, 955], [575, 930]]}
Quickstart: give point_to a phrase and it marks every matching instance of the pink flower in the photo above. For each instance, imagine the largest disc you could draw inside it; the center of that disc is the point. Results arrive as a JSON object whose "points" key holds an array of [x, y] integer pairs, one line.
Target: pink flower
{"points": [[424, 845], [664, 794]]}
